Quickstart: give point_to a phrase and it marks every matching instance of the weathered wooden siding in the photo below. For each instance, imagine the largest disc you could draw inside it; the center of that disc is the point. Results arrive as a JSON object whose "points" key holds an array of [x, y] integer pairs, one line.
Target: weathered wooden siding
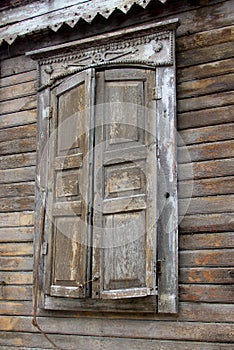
{"points": [[205, 61]]}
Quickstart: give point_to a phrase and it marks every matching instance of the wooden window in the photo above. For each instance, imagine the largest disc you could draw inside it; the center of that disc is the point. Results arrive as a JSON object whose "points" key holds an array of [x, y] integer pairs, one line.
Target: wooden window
{"points": [[107, 171]]}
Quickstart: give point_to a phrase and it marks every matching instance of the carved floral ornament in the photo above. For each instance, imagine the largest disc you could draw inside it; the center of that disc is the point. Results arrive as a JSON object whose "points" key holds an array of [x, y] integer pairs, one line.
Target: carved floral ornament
{"points": [[152, 45]]}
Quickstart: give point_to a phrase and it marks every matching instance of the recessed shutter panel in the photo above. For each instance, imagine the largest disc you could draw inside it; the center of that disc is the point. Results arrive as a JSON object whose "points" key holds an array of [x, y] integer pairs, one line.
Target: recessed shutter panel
{"points": [[124, 222], [68, 198]]}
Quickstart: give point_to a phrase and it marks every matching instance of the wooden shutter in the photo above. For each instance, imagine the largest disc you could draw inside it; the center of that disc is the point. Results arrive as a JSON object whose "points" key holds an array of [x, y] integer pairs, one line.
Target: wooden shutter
{"points": [[68, 199], [124, 222]]}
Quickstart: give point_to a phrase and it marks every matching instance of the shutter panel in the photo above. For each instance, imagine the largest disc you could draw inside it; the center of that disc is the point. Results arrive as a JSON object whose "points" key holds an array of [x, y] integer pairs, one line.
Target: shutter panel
{"points": [[68, 197], [124, 222]]}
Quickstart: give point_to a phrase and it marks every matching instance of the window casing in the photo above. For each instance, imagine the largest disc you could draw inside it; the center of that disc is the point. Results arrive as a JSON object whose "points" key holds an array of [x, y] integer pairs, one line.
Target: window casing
{"points": [[107, 174]]}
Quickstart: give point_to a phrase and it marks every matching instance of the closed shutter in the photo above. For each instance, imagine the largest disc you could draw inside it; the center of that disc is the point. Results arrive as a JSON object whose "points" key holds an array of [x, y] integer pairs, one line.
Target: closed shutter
{"points": [[124, 222], [68, 198]]}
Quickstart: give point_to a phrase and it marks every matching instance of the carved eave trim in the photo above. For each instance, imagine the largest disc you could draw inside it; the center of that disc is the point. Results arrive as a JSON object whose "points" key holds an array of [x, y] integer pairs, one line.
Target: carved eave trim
{"points": [[149, 45]]}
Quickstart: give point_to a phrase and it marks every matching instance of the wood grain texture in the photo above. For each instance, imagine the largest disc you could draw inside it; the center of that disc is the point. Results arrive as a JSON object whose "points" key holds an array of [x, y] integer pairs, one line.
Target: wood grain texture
{"points": [[206, 169], [86, 343], [23, 189], [18, 78], [17, 175], [206, 187], [205, 38], [16, 249], [207, 293], [16, 292], [19, 90], [16, 277], [17, 105], [16, 234], [205, 54], [205, 86], [197, 241], [17, 204], [207, 275], [212, 258], [202, 102], [207, 223], [117, 328], [204, 76], [16, 219], [18, 118], [21, 132], [207, 151], [206, 117], [17, 160], [207, 134], [205, 70], [207, 205]]}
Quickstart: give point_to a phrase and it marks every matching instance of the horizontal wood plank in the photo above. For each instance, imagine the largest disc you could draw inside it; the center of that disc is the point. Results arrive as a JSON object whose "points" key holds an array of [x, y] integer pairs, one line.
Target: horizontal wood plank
{"points": [[205, 54], [18, 105], [205, 38], [70, 342], [206, 205], [16, 234], [199, 87], [17, 65], [18, 90], [220, 240], [206, 134], [189, 311], [206, 151], [21, 132], [18, 118], [23, 189], [206, 169], [206, 117], [202, 102], [207, 275], [207, 293], [16, 278], [16, 263], [16, 249], [17, 175], [16, 219], [16, 292], [122, 328], [17, 160], [18, 146], [206, 187], [18, 78], [212, 258], [17, 204], [207, 223], [206, 70]]}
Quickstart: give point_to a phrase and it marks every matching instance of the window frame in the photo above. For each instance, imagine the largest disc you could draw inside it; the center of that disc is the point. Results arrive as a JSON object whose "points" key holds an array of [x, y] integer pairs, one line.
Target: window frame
{"points": [[165, 96]]}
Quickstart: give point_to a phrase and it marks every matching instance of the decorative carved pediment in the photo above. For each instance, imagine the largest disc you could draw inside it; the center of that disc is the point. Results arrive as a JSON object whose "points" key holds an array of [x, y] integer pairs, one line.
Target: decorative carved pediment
{"points": [[148, 45]]}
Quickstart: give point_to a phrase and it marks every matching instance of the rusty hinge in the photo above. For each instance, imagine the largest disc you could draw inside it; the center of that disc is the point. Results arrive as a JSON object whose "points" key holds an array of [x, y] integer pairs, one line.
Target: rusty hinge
{"points": [[158, 267], [44, 249], [156, 93]]}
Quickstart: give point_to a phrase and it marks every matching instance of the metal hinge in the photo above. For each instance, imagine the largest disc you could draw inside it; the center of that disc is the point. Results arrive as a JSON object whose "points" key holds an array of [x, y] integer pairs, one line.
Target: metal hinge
{"points": [[156, 94], [44, 249], [158, 267]]}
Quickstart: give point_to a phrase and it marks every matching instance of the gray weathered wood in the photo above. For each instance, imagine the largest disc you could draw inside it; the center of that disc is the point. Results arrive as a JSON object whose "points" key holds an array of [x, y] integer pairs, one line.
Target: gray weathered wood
{"points": [[206, 241], [167, 193]]}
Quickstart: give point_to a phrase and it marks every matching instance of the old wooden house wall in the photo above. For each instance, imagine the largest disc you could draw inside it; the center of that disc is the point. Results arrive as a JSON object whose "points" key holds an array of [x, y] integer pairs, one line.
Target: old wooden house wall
{"points": [[205, 82]]}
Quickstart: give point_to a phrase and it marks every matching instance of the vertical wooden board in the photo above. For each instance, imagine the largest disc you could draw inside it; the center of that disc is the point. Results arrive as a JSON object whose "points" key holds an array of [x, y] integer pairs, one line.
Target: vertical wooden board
{"points": [[70, 106], [167, 193]]}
